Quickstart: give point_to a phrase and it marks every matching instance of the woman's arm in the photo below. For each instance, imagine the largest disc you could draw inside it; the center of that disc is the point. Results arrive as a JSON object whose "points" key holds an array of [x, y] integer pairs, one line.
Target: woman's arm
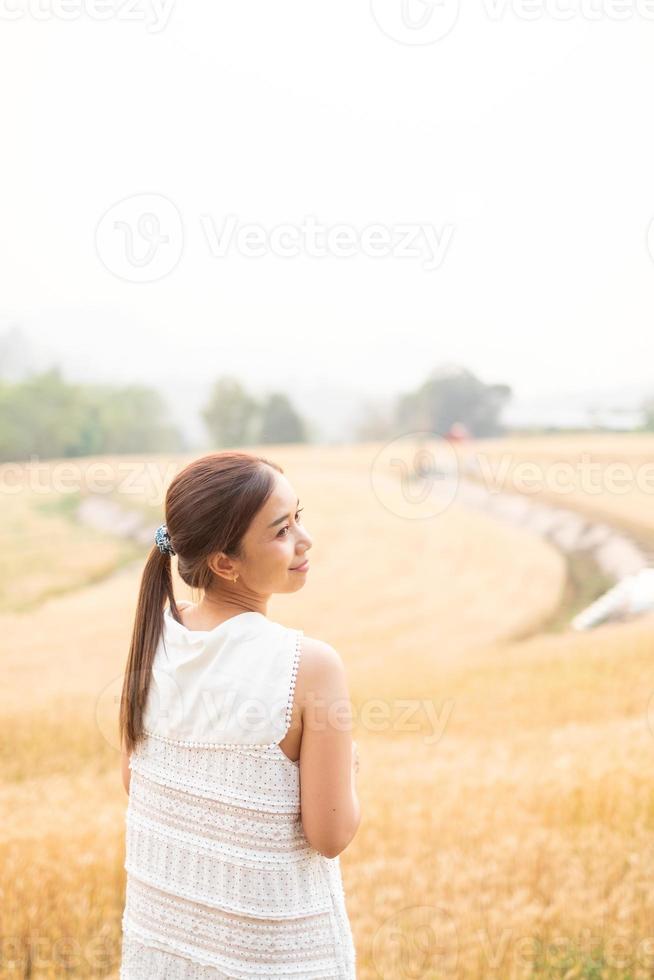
{"points": [[329, 803]]}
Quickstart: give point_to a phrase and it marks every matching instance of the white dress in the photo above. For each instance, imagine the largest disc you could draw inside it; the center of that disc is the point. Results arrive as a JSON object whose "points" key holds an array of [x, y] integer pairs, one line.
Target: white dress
{"points": [[222, 883]]}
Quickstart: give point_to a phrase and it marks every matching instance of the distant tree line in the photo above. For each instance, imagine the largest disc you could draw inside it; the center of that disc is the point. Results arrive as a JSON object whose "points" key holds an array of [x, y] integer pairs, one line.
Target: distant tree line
{"points": [[46, 416], [234, 418], [450, 395], [454, 394], [49, 417]]}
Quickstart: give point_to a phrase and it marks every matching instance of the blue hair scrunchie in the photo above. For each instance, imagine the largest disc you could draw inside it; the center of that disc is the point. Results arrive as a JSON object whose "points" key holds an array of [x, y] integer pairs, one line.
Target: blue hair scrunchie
{"points": [[162, 540]]}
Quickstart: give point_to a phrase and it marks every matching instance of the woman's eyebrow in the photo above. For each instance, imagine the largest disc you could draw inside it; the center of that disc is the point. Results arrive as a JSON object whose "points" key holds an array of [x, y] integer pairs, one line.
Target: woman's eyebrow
{"points": [[284, 518]]}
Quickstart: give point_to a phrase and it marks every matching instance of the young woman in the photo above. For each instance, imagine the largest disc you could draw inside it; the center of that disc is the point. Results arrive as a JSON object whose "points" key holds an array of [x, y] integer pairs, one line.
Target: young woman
{"points": [[238, 754]]}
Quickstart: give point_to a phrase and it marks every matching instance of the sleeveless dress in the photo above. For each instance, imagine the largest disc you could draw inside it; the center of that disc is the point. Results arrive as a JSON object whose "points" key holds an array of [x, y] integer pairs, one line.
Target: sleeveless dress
{"points": [[222, 883]]}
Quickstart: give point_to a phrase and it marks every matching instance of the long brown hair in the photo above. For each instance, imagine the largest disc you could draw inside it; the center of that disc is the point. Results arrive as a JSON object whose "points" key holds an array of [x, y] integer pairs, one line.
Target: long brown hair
{"points": [[208, 508]]}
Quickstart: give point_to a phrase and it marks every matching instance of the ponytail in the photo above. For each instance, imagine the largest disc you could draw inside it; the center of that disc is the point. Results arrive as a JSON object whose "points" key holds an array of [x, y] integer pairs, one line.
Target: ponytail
{"points": [[156, 587]]}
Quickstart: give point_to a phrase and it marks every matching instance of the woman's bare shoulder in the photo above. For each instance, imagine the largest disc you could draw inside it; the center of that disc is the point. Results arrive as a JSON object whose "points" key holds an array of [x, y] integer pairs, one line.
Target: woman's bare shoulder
{"points": [[321, 681], [320, 664], [319, 654]]}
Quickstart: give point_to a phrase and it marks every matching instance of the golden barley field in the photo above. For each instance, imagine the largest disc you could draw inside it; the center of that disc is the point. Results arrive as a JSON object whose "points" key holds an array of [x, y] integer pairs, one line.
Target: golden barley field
{"points": [[506, 772], [608, 476]]}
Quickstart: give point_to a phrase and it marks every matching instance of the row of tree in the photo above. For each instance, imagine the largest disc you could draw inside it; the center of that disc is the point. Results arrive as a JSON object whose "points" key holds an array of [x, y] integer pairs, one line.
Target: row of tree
{"points": [[233, 417], [46, 416], [454, 395], [42, 414]]}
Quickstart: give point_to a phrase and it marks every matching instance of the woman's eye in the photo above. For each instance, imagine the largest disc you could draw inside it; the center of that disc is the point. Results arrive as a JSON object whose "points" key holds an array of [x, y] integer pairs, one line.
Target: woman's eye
{"points": [[281, 532]]}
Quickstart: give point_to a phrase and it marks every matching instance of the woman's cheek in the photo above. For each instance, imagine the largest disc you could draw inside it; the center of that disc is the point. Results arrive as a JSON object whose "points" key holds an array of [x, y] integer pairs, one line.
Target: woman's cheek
{"points": [[281, 551]]}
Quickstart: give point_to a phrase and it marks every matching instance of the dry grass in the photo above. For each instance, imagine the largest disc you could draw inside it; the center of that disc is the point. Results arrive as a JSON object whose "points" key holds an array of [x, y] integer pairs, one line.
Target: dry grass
{"points": [[43, 551], [609, 477], [507, 804]]}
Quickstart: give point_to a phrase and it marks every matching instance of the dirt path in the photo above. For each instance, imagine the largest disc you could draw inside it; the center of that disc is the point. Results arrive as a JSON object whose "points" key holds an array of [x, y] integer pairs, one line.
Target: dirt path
{"points": [[615, 553], [598, 555], [106, 515]]}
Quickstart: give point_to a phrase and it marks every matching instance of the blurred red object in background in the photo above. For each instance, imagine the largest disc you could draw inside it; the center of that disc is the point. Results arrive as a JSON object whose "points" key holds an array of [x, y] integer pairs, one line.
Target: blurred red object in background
{"points": [[458, 432]]}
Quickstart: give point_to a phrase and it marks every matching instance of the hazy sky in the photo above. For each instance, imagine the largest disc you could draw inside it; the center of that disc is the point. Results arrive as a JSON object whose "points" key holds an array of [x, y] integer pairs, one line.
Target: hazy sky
{"points": [[515, 155]]}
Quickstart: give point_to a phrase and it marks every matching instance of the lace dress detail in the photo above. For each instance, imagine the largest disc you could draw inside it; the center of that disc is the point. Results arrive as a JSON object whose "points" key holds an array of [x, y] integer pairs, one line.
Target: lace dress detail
{"points": [[222, 883]]}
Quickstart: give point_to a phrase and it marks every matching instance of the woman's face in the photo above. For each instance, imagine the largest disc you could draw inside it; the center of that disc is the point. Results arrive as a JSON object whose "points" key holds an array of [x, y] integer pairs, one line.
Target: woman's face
{"points": [[275, 543]]}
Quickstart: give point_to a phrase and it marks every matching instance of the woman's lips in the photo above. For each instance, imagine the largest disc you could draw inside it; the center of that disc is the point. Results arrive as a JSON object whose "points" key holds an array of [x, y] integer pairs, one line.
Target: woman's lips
{"points": [[301, 568]]}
